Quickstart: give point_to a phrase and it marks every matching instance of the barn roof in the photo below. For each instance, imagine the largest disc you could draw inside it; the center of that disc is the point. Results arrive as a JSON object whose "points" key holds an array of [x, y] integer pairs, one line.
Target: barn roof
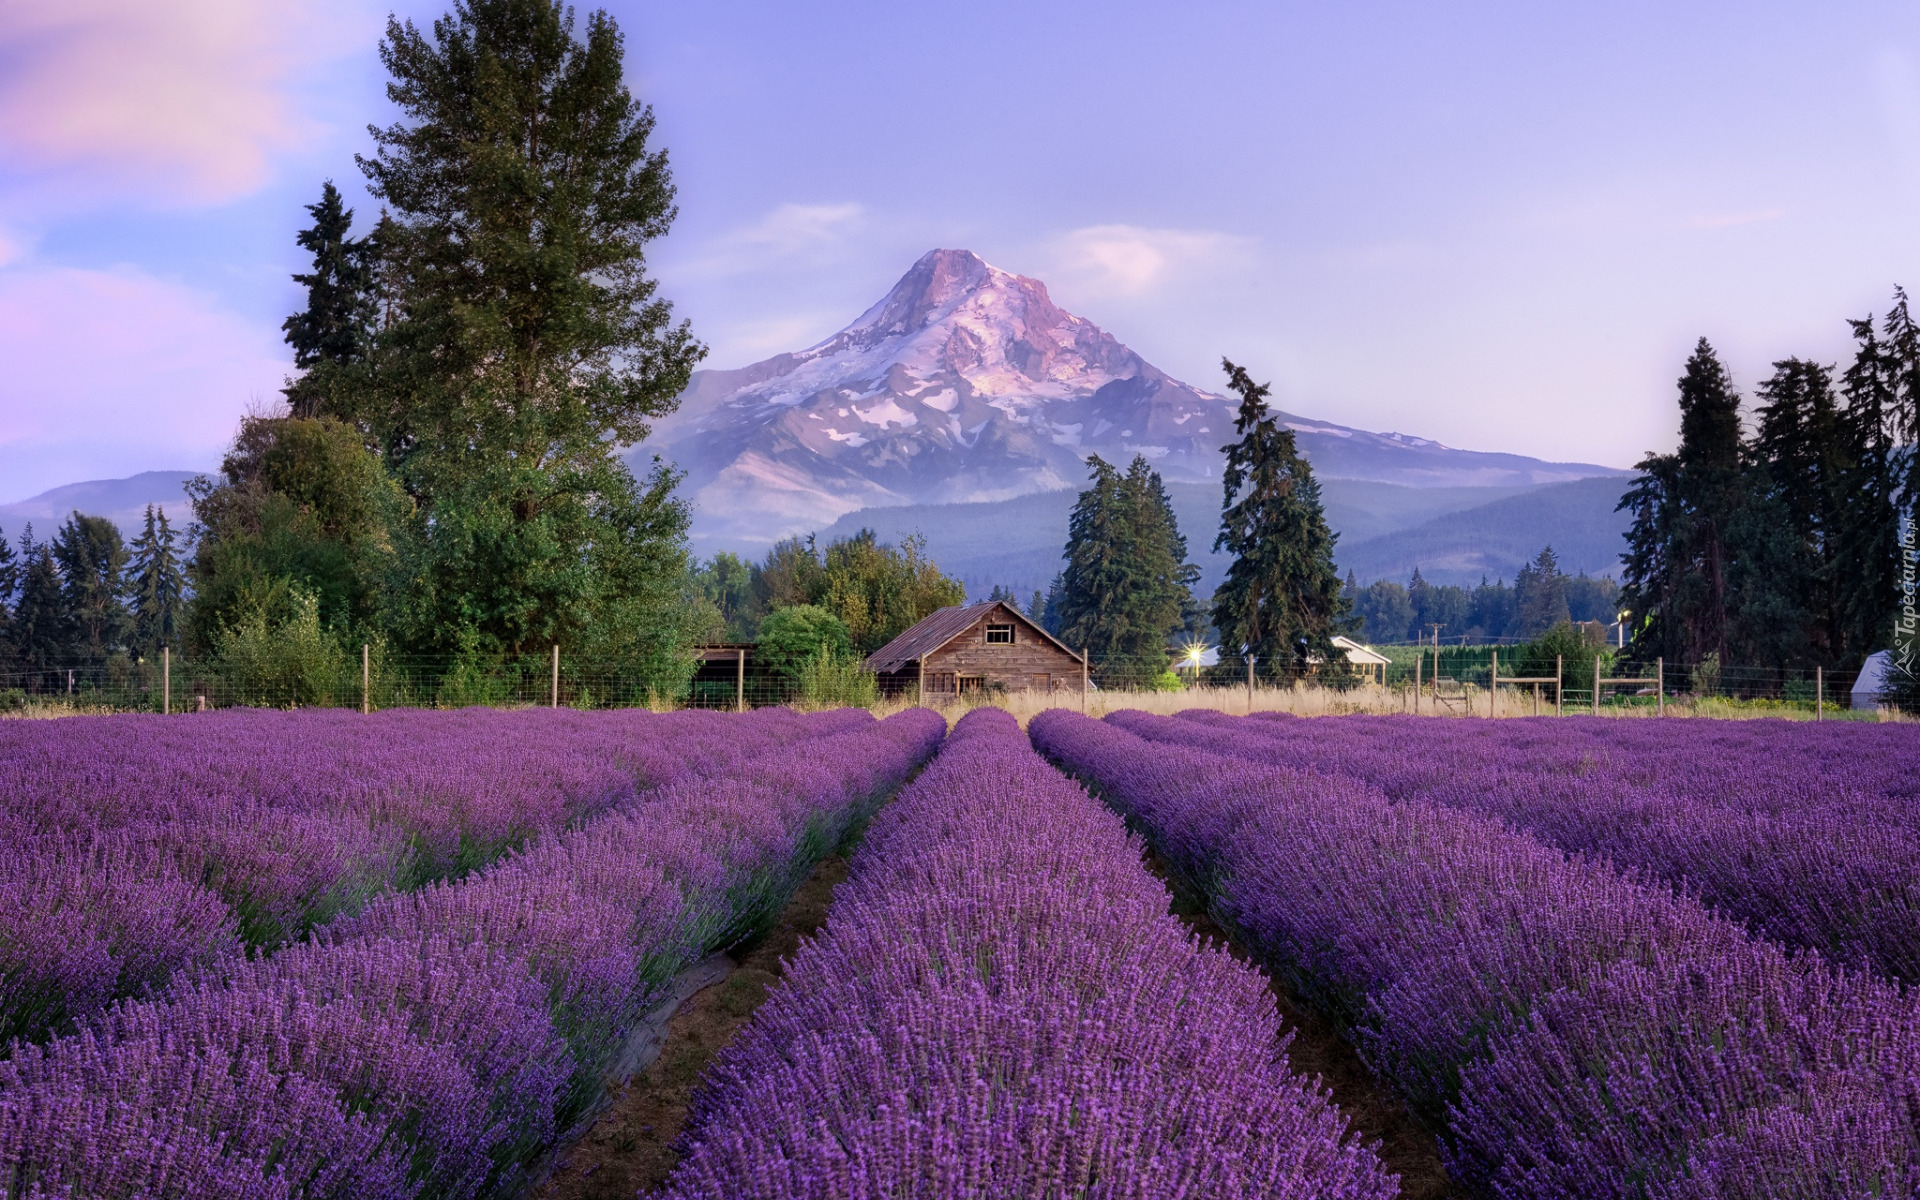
{"points": [[941, 626]]}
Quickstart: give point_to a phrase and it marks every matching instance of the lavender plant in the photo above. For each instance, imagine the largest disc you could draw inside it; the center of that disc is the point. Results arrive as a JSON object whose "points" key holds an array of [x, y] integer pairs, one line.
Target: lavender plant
{"points": [[428, 1046], [1000, 1005], [1567, 1030]]}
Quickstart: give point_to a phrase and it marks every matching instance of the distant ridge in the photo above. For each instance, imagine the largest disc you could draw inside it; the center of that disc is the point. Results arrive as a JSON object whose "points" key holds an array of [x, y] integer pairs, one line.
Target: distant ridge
{"points": [[122, 501]]}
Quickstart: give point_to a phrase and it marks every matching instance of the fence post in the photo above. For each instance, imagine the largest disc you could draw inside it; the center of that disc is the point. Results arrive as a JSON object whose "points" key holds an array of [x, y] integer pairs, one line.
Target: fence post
{"points": [[1819, 688], [366, 682], [1083, 681], [1660, 687], [1559, 679], [1493, 688], [555, 702], [1249, 682], [1417, 660], [1596, 685], [166, 680], [740, 679]]}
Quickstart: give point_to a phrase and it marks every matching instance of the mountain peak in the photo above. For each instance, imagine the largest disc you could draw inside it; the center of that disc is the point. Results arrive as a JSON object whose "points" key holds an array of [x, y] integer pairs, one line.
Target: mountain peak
{"points": [[965, 383], [933, 287]]}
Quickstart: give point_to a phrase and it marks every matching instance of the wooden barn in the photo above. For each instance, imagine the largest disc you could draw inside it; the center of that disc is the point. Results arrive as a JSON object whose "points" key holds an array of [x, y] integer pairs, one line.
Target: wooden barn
{"points": [[976, 647]]}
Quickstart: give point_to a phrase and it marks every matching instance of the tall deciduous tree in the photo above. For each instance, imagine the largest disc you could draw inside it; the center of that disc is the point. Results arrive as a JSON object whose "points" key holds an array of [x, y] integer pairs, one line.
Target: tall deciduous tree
{"points": [[300, 506], [335, 330], [92, 560], [528, 342], [1281, 586], [156, 586]]}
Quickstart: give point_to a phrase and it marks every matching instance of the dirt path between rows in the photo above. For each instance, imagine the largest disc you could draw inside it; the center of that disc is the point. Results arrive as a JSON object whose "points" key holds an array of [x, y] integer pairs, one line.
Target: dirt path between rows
{"points": [[1374, 1111], [630, 1147]]}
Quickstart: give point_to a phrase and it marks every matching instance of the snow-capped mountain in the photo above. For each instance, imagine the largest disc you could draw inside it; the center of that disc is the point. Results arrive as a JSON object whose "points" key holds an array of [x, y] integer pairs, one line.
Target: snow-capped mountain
{"points": [[968, 384]]}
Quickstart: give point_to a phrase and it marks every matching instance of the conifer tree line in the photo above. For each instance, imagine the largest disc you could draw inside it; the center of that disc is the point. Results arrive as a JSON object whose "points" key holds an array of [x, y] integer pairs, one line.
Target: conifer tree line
{"points": [[1769, 537], [83, 597], [1126, 590], [1540, 597]]}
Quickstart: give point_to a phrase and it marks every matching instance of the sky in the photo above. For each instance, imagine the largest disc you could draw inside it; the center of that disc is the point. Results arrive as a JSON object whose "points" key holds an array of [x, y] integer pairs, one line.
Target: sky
{"points": [[1501, 225]]}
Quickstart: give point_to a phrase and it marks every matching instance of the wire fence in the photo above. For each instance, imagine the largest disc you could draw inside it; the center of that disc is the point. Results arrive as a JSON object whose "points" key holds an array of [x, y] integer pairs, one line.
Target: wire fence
{"points": [[1457, 680]]}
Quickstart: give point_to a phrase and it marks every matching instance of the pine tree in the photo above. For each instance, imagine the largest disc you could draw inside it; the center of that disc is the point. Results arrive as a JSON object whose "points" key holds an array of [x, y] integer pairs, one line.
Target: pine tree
{"points": [[9, 582], [1798, 465], [1037, 607], [92, 560], [40, 626], [1540, 595], [528, 343], [336, 328], [1124, 590], [1281, 588], [1675, 583], [157, 587], [1866, 546]]}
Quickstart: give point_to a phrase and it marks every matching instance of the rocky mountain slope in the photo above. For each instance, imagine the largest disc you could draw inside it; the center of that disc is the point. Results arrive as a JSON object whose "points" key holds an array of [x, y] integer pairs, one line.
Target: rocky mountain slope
{"points": [[967, 384]]}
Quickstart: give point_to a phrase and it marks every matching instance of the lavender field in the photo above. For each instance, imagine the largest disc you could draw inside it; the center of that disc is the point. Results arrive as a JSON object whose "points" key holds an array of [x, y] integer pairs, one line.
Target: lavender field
{"points": [[322, 954]]}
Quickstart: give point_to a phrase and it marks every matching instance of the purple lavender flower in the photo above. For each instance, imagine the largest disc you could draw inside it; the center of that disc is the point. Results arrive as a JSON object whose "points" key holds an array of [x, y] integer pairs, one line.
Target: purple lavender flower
{"points": [[1001, 1006]]}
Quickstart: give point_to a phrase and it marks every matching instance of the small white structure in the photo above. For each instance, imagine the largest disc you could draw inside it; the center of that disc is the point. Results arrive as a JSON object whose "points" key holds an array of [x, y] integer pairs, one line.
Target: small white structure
{"points": [[1360, 656], [1872, 680]]}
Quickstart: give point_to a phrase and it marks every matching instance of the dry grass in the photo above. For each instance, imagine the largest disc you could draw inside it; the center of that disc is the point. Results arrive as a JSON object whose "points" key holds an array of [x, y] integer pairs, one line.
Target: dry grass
{"points": [[1308, 701]]}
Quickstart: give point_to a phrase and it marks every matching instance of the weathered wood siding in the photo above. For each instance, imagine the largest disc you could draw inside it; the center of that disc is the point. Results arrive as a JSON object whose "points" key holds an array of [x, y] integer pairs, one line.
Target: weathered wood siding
{"points": [[1031, 662]]}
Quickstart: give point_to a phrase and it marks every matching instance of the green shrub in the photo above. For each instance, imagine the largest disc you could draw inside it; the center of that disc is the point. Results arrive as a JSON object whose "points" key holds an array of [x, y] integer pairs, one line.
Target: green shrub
{"points": [[830, 680], [292, 660], [790, 639]]}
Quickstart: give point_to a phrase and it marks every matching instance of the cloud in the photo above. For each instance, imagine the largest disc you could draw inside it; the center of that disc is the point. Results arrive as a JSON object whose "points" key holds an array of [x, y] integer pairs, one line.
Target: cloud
{"points": [[113, 372], [1132, 261], [175, 101], [790, 233]]}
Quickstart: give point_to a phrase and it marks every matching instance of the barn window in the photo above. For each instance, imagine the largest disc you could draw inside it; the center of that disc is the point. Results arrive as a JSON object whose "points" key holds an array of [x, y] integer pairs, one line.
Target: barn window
{"points": [[970, 684], [999, 635]]}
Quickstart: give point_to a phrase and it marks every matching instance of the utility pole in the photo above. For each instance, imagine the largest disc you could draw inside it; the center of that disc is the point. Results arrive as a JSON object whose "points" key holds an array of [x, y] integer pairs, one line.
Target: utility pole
{"points": [[554, 700]]}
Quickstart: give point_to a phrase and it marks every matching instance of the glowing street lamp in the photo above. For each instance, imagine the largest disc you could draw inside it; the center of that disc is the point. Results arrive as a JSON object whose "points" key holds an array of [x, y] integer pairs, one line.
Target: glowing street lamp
{"points": [[1620, 630]]}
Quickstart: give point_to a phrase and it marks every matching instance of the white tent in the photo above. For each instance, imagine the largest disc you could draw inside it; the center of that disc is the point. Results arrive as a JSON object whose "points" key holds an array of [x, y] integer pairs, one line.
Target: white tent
{"points": [[1872, 680]]}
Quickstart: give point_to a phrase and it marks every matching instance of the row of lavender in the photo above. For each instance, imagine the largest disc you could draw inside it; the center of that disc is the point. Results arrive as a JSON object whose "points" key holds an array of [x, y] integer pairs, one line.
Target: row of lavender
{"points": [[131, 847], [1570, 1031], [1001, 1006], [1805, 833], [432, 1044]]}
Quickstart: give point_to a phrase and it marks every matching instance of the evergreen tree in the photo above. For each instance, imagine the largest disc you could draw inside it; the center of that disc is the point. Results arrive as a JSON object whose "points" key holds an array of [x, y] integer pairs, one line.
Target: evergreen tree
{"points": [[9, 583], [527, 343], [1490, 611], [1124, 591], [336, 328], [40, 627], [158, 587], [1675, 578], [1037, 607], [1866, 548], [92, 560], [1540, 595], [1281, 586], [1798, 463], [1050, 611]]}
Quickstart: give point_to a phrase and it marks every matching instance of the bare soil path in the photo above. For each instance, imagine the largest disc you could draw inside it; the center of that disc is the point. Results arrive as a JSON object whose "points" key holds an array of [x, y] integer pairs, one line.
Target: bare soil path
{"points": [[1376, 1114], [630, 1147]]}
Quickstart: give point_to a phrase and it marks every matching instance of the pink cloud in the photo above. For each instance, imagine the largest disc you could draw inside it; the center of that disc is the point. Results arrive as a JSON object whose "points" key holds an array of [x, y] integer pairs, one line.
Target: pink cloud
{"points": [[113, 372], [185, 100]]}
